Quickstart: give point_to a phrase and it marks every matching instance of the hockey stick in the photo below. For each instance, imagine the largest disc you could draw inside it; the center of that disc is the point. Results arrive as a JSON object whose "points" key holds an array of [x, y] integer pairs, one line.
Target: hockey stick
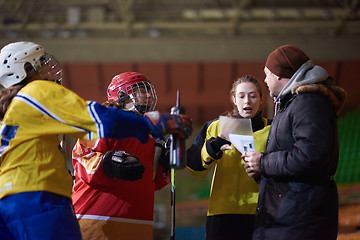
{"points": [[177, 161]]}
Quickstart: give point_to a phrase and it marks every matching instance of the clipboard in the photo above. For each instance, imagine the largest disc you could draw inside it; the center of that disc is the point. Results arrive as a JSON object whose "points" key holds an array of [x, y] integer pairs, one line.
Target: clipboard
{"points": [[239, 132]]}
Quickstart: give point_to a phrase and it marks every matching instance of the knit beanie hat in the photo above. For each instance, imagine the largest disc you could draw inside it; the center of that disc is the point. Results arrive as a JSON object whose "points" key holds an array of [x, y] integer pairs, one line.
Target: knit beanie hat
{"points": [[286, 60]]}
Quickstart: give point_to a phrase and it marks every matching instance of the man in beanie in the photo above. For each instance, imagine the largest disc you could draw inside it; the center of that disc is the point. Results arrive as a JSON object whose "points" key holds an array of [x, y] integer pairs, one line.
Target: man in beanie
{"points": [[298, 197]]}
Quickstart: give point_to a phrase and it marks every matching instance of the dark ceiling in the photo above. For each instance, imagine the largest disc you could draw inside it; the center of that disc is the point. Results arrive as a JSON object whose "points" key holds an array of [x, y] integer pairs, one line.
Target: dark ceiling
{"points": [[175, 18]]}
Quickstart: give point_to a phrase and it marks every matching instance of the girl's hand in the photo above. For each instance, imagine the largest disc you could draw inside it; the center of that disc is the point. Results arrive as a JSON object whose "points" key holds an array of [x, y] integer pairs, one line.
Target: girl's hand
{"points": [[225, 146]]}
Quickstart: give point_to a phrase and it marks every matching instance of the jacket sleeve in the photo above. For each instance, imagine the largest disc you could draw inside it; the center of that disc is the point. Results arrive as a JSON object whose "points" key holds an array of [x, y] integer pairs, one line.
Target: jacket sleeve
{"points": [[117, 124], [304, 146], [195, 161], [193, 154], [67, 113]]}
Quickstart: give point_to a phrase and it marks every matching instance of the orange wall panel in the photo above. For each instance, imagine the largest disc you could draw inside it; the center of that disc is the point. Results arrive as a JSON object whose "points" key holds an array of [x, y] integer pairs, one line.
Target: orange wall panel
{"points": [[66, 82], [215, 84], [204, 86], [158, 75], [85, 80], [185, 78], [331, 67], [109, 70], [217, 76], [255, 69]]}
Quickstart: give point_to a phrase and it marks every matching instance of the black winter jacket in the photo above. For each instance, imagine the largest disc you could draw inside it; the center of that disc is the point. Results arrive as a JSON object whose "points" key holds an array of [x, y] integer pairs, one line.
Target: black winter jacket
{"points": [[298, 197]]}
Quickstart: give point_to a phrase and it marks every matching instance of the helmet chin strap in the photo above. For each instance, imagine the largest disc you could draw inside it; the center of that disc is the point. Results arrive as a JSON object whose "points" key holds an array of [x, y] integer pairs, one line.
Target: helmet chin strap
{"points": [[135, 110]]}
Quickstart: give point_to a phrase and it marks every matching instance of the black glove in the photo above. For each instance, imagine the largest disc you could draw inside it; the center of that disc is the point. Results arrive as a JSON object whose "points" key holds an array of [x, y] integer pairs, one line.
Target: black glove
{"points": [[164, 159], [213, 146], [121, 165], [218, 143]]}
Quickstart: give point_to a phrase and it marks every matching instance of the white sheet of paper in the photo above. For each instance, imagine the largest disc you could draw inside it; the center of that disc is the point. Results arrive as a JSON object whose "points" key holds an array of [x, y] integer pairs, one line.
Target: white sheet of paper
{"points": [[243, 143]]}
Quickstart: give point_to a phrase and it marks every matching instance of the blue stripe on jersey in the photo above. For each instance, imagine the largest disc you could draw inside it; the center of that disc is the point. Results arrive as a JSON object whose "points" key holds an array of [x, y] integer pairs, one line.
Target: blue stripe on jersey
{"points": [[38, 106], [117, 124], [96, 118], [7, 133]]}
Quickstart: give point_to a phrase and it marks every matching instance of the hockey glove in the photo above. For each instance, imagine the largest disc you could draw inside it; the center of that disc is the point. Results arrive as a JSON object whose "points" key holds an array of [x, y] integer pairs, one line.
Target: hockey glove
{"points": [[121, 165], [162, 124], [164, 159]]}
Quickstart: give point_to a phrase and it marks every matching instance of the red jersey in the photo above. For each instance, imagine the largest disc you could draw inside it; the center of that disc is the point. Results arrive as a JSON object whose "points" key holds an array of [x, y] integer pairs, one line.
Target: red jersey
{"points": [[110, 208]]}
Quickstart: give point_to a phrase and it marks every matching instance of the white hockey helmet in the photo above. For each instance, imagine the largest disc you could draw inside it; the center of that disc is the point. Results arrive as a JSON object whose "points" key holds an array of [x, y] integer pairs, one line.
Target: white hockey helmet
{"points": [[14, 57]]}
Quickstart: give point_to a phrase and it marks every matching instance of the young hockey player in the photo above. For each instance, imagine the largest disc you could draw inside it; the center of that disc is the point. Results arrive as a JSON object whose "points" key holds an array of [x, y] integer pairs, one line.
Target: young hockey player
{"points": [[35, 186], [234, 195], [114, 199]]}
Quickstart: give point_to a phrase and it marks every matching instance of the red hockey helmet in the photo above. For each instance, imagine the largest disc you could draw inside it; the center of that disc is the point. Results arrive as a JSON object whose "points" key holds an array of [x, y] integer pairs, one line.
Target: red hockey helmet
{"points": [[135, 87]]}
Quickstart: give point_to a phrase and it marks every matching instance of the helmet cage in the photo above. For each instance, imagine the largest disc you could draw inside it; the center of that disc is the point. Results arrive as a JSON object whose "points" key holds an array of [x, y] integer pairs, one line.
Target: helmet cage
{"points": [[49, 68], [142, 94]]}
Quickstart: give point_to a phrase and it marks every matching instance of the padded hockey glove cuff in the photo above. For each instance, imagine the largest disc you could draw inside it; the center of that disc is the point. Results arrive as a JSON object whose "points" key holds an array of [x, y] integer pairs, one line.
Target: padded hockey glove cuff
{"points": [[121, 165], [162, 124]]}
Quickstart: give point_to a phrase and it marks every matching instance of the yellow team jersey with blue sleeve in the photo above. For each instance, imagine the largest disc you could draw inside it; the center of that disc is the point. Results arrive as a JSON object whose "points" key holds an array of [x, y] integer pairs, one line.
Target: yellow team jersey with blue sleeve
{"points": [[30, 159], [232, 190]]}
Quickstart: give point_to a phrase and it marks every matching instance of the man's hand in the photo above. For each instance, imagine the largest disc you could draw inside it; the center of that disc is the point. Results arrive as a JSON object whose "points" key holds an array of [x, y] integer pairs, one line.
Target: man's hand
{"points": [[121, 165], [161, 124], [252, 166]]}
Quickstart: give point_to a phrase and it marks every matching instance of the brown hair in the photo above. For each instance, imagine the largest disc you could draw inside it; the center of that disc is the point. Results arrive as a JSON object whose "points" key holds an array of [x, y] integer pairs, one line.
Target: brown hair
{"points": [[7, 94], [118, 105], [245, 79]]}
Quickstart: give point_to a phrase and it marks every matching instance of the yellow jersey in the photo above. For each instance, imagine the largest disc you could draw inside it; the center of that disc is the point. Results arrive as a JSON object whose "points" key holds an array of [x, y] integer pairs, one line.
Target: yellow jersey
{"points": [[30, 158], [232, 190]]}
